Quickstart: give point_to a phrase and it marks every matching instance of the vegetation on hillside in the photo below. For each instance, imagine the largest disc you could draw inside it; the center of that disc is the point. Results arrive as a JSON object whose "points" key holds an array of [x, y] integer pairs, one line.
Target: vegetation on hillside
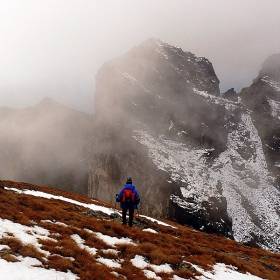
{"points": [[181, 247]]}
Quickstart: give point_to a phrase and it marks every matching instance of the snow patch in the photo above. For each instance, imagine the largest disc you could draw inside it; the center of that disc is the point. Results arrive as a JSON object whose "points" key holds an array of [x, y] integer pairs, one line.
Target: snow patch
{"points": [[275, 107], [275, 85], [222, 271], [241, 172]]}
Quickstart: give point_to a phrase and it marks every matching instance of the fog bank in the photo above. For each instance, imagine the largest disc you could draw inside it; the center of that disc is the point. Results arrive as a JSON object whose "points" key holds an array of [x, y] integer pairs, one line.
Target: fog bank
{"points": [[54, 48]]}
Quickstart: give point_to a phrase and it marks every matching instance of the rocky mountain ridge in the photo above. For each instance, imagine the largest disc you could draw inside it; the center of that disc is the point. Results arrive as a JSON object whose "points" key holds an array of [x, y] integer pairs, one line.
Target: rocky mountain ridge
{"points": [[206, 159], [200, 157]]}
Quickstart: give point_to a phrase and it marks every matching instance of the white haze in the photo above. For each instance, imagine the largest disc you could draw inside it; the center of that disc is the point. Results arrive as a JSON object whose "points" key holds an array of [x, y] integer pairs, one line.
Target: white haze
{"points": [[54, 48]]}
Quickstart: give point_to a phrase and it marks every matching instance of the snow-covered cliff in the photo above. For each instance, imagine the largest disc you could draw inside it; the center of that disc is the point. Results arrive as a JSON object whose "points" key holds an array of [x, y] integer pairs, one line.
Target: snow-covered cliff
{"points": [[196, 156]]}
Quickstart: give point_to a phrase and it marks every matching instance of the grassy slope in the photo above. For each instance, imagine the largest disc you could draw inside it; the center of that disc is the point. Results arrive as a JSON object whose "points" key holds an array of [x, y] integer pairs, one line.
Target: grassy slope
{"points": [[180, 247]]}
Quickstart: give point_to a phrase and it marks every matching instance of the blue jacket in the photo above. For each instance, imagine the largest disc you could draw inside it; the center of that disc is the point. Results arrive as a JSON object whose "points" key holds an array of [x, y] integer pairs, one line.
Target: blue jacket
{"points": [[137, 197]]}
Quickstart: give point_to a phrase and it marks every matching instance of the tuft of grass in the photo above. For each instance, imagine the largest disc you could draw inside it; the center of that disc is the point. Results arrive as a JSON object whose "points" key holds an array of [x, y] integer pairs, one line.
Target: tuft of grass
{"points": [[59, 263], [31, 251], [108, 254], [14, 244], [9, 258], [130, 271]]}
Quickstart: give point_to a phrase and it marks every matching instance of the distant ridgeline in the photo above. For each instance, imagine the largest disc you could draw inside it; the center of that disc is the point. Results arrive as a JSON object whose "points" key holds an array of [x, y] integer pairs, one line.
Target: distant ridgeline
{"points": [[203, 158], [46, 145]]}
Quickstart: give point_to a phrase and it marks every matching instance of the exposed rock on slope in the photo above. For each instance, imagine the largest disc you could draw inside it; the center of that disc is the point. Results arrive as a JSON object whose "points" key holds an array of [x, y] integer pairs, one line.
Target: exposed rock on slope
{"points": [[262, 98], [197, 156], [155, 91]]}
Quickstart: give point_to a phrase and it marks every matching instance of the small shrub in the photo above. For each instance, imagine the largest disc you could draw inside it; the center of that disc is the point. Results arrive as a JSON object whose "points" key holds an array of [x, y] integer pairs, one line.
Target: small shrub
{"points": [[158, 257], [84, 257], [33, 215], [66, 247], [24, 221], [186, 271], [204, 261], [9, 258], [95, 242], [147, 247], [14, 243], [108, 254], [95, 271], [228, 260], [130, 271], [31, 251], [59, 263], [47, 244]]}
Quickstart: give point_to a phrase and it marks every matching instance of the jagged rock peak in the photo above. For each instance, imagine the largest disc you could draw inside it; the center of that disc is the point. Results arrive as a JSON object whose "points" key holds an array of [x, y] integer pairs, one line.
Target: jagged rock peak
{"points": [[153, 41], [49, 103], [156, 43], [163, 48], [153, 67], [271, 68]]}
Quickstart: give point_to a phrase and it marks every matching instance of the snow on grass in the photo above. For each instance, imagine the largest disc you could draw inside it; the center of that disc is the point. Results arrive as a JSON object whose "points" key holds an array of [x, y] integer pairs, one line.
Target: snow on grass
{"points": [[25, 270], [110, 251], [113, 241], [222, 272], [110, 263], [93, 207], [151, 275], [28, 268], [26, 234], [157, 221], [150, 230], [139, 261], [81, 241]]}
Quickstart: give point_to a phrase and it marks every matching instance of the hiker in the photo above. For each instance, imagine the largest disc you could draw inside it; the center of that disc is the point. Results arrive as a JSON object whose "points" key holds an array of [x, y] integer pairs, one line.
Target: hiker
{"points": [[129, 199]]}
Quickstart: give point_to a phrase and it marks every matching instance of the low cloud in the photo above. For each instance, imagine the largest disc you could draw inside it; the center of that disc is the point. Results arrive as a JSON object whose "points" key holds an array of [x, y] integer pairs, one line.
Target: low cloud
{"points": [[55, 48]]}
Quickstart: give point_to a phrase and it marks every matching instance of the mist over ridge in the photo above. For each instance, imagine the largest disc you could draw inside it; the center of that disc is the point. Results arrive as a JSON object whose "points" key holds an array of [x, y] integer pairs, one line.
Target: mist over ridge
{"points": [[201, 157], [45, 144], [56, 48], [208, 159]]}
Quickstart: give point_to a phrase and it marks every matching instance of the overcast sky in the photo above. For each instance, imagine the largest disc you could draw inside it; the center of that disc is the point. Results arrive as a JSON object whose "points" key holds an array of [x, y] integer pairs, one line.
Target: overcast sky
{"points": [[55, 47]]}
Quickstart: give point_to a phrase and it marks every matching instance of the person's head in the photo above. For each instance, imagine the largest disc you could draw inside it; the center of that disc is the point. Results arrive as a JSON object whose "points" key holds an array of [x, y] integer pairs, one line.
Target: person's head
{"points": [[129, 180]]}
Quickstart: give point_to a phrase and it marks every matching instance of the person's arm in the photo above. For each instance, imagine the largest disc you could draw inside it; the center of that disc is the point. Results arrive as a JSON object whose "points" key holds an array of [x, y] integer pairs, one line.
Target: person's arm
{"points": [[137, 197], [118, 197]]}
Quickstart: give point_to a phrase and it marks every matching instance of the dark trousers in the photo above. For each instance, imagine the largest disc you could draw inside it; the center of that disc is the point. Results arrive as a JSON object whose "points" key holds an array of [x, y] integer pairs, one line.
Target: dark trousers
{"points": [[131, 212]]}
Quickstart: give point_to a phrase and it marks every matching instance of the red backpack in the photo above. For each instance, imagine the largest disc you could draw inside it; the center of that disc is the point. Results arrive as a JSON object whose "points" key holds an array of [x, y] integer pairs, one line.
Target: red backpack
{"points": [[128, 196]]}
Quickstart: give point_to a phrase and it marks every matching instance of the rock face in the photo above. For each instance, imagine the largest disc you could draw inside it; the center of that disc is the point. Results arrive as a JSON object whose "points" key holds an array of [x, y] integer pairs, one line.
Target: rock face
{"points": [[155, 91], [262, 98], [45, 144], [203, 158]]}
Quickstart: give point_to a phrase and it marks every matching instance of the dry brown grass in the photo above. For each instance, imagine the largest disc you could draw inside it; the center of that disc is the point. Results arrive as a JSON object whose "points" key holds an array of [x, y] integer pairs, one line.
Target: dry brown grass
{"points": [[13, 243], [31, 251], [178, 246], [9, 258], [60, 263], [18, 248]]}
